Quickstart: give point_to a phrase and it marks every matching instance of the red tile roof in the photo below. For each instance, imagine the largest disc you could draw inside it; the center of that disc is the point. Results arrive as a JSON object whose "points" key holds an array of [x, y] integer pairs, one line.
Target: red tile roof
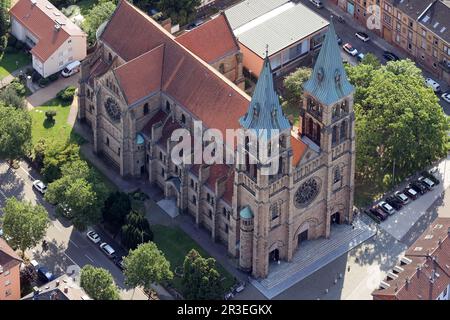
{"points": [[298, 149], [97, 69], [159, 116], [212, 40], [191, 82], [427, 274], [40, 21], [216, 172], [8, 257], [142, 75]]}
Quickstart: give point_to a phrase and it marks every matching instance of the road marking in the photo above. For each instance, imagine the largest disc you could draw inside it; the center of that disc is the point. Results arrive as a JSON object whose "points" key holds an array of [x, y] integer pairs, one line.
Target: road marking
{"points": [[27, 173], [70, 258], [89, 257], [74, 243]]}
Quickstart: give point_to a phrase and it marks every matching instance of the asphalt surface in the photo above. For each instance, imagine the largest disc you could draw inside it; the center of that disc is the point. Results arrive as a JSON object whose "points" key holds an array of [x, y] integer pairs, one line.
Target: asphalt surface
{"points": [[68, 248]]}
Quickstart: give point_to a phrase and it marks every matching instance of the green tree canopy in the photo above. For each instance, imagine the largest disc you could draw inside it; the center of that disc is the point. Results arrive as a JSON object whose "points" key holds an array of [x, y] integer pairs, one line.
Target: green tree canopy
{"points": [[56, 156], [24, 224], [10, 97], [136, 230], [201, 280], [117, 207], [98, 283], [146, 265], [15, 132], [98, 14], [180, 11], [398, 121], [293, 85]]}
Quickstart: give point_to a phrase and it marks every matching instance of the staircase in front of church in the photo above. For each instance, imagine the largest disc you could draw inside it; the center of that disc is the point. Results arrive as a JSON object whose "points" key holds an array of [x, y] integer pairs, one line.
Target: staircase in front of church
{"points": [[312, 256]]}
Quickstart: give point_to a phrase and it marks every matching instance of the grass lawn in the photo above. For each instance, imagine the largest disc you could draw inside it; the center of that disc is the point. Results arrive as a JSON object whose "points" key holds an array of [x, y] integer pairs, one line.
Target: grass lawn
{"points": [[292, 111], [59, 131], [8, 62], [175, 244]]}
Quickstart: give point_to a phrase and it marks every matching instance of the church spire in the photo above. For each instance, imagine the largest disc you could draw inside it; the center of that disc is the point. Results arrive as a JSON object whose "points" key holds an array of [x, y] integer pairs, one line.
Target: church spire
{"points": [[264, 111], [328, 82]]}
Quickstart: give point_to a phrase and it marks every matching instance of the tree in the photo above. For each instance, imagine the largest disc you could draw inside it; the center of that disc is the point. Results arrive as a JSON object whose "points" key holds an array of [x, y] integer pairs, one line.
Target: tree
{"points": [[10, 97], [399, 124], [98, 283], [293, 85], [201, 281], [116, 208], [56, 155], [98, 14], [24, 224], [136, 231], [15, 133], [371, 59], [180, 11], [28, 279], [146, 265]]}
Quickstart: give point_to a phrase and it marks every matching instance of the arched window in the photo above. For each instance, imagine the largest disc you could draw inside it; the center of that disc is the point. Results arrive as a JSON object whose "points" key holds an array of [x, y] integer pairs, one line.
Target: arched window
{"points": [[343, 134], [109, 57], [194, 200], [107, 141], [222, 68], [183, 118], [334, 135], [310, 126], [337, 174], [146, 108], [274, 209], [167, 106]]}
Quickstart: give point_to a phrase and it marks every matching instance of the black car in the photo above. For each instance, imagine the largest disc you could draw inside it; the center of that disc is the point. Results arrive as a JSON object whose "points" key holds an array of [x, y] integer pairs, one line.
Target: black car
{"points": [[431, 176], [419, 187], [389, 56], [379, 213], [411, 192], [394, 202]]}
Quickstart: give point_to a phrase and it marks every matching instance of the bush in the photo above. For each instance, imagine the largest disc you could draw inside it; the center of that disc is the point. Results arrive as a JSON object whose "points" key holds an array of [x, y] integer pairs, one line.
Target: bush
{"points": [[12, 41], [67, 94], [50, 115], [19, 45], [19, 87], [10, 50], [11, 98]]}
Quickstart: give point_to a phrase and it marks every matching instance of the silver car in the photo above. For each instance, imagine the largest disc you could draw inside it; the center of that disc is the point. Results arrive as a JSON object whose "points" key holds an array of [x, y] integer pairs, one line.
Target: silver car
{"points": [[40, 186]]}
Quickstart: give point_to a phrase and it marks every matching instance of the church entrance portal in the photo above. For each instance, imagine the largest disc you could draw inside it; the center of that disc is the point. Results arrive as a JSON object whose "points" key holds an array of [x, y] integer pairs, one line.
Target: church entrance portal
{"points": [[335, 218], [302, 237], [274, 255]]}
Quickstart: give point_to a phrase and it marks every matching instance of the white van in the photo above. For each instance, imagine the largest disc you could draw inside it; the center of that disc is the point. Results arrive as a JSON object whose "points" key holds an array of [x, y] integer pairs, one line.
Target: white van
{"points": [[433, 85], [71, 69]]}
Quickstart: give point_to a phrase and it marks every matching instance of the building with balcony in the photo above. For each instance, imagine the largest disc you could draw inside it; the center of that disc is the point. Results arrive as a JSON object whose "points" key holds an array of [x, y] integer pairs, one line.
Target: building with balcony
{"points": [[9, 272]]}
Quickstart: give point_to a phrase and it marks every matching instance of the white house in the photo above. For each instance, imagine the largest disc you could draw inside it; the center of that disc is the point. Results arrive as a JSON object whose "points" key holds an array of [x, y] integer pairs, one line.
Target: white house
{"points": [[55, 41]]}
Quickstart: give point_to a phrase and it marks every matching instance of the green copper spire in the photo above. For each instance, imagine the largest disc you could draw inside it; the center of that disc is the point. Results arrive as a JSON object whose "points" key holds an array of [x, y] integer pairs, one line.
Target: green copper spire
{"points": [[264, 111], [328, 82]]}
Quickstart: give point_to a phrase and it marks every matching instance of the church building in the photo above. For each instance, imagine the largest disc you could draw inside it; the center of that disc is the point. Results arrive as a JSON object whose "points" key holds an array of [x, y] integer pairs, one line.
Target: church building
{"points": [[139, 84]]}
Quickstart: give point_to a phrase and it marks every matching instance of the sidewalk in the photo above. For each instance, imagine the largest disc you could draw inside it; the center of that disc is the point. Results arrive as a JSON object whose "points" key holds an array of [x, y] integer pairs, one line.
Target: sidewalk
{"points": [[9, 78]]}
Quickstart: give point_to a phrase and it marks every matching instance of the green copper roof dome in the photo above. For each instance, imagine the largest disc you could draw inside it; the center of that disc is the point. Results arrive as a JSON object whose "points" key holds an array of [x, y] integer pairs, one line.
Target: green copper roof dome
{"points": [[329, 82], [246, 213], [264, 111]]}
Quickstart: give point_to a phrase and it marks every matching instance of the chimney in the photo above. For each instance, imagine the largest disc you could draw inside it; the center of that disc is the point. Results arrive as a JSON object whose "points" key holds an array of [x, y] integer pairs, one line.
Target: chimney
{"points": [[66, 289], [57, 283]]}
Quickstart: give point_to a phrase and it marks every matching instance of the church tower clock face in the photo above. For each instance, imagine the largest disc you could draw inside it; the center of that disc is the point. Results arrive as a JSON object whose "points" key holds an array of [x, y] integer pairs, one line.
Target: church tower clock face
{"points": [[113, 109], [307, 192]]}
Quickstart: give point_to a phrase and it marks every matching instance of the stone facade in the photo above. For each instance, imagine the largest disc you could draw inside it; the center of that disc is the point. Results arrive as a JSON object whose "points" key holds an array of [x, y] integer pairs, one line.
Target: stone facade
{"points": [[259, 218]]}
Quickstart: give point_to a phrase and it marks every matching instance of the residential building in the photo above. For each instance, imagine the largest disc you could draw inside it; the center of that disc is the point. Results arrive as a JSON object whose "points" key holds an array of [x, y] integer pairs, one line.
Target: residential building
{"points": [[9, 272], [54, 40], [214, 43], [274, 25], [140, 84], [62, 288], [424, 271]]}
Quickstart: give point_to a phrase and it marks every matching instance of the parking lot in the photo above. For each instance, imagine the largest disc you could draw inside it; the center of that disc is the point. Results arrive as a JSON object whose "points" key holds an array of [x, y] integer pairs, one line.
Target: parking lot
{"points": [[400, 223]]}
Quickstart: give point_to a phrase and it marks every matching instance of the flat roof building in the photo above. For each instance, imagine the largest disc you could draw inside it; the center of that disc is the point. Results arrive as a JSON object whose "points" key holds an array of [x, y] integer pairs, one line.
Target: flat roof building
{"points": [[288, 31]]}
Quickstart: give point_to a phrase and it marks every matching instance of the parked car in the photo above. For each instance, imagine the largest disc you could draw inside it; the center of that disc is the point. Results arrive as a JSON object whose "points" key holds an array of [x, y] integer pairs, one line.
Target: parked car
{"points": [[430, 175], [389, 56], [45, 275], [411, 192], [433, 85], [446, 97], [34, 264], [360, 56], [317, 3], [108, 250], [419, 187], [401, 197], [339, 40], [119, 263], [195, 24], [386, 208], [40, 186], [71, 69], [380, 214], [426, 182], [349, 49], [93, 236], [362, 36], [394, 202]]}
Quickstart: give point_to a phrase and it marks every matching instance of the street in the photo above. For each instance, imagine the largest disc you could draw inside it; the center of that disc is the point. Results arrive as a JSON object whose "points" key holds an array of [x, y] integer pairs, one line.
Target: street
{"points": [[68, 248], [376, 45]]}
